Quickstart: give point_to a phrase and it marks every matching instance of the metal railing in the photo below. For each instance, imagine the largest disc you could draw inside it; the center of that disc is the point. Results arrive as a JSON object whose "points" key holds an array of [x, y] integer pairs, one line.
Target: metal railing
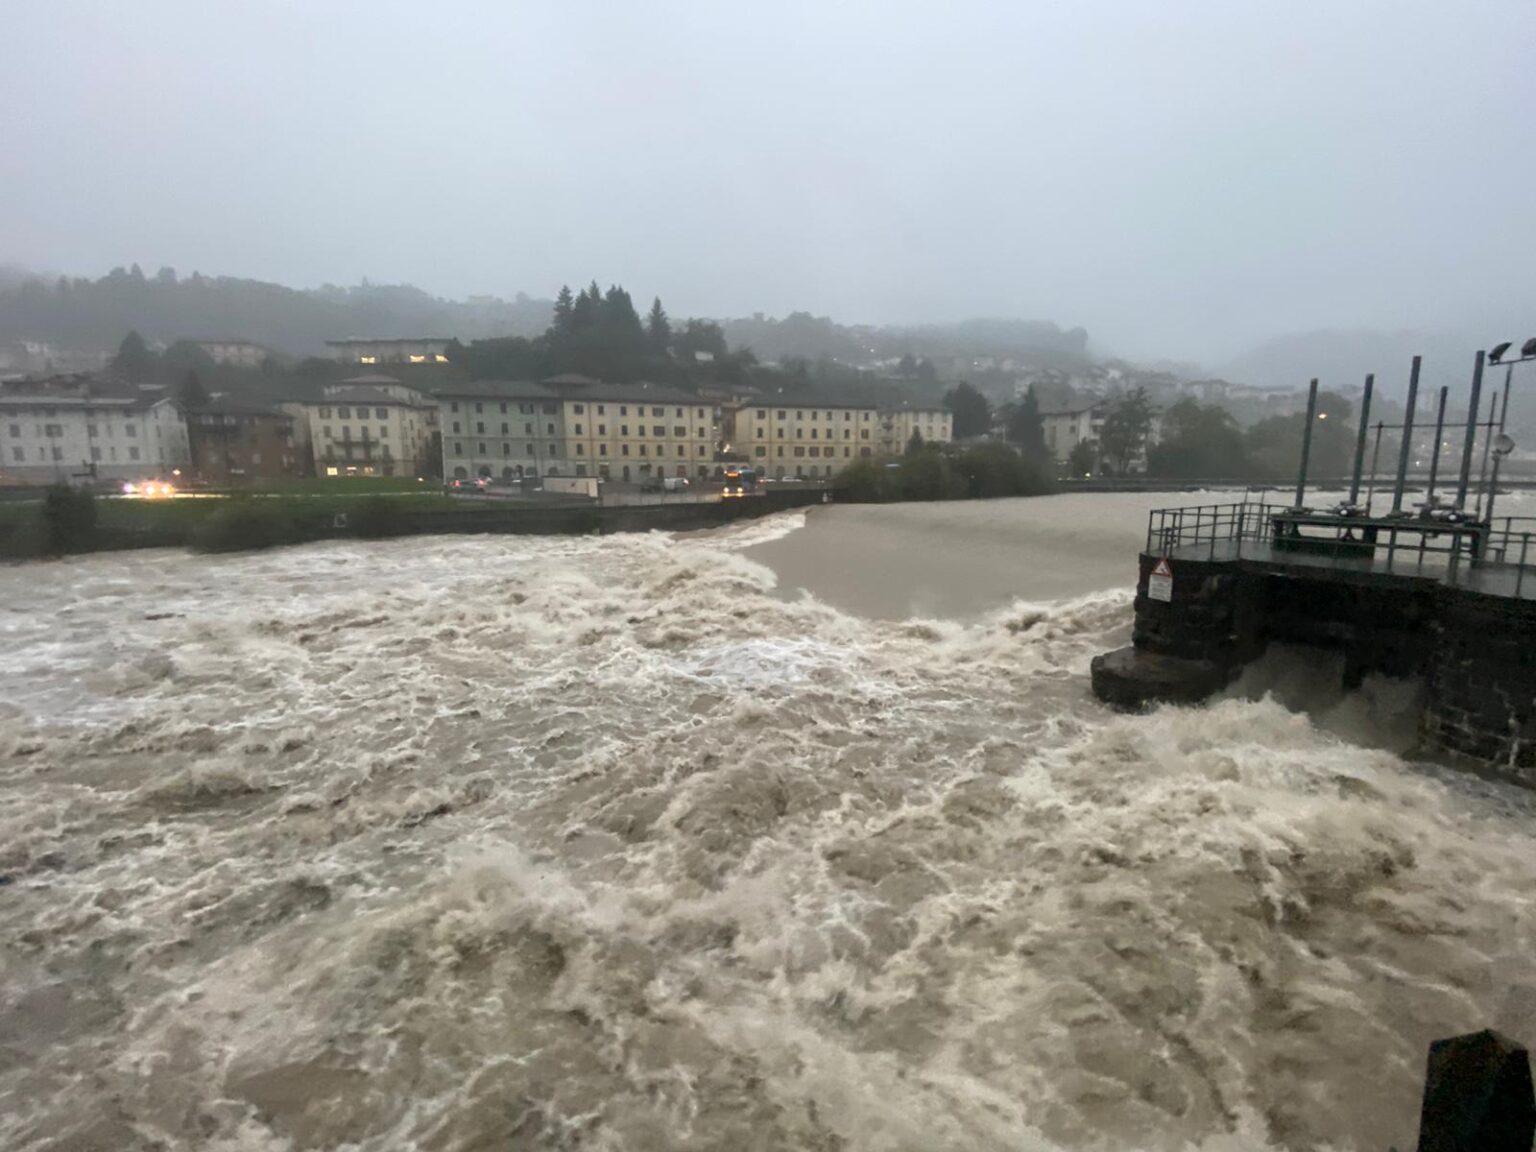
{"points": [[1491, 557]]}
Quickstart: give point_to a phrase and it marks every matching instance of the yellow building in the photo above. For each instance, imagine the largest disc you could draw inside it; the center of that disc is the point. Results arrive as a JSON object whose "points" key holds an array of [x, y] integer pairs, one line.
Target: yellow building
{"points": [[576, 426], [817, 441]]}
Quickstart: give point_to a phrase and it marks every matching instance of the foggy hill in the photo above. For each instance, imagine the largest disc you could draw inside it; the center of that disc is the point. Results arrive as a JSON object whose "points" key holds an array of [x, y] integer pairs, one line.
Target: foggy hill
{"points": [[1340, 357], [84, 314], [801, 335]]}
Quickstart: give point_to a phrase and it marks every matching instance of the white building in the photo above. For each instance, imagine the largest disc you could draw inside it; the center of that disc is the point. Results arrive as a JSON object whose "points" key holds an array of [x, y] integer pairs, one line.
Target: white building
{"points": [[372, 426], [240, 353], [75, 431]]}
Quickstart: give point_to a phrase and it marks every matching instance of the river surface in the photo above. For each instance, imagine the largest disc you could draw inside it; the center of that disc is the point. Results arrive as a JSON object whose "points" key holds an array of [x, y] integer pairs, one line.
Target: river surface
{"points": [[801, 834]]}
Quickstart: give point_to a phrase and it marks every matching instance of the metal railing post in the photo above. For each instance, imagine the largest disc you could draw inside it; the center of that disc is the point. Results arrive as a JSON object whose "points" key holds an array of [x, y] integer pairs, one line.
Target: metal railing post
{"points": [[1525, 542], [1434, 460], [1493, 486]]}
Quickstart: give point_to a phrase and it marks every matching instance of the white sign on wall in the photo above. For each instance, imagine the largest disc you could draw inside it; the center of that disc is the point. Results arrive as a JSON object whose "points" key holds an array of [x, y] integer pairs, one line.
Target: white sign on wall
{"points": [[1160, 582]]}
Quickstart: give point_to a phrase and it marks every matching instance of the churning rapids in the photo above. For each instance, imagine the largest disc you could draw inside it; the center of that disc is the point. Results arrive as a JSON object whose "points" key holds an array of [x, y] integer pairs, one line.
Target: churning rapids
{"points": [[635, 843]]}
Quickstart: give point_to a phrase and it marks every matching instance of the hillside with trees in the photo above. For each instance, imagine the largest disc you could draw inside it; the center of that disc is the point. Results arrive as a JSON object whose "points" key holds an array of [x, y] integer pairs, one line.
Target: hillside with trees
{"points": [[84, 314]]}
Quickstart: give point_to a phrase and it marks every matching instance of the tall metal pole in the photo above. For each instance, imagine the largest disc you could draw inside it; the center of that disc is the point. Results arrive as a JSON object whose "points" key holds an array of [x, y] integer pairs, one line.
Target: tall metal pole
{"points": [[1470, 445], [1434, 460], [1306, 442], [1482, 472], [1509, 374], [1370, 490], [1365, 424], [1407, 448]]}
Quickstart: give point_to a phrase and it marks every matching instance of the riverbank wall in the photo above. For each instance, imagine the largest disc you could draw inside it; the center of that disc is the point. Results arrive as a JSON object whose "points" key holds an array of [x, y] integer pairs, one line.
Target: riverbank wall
{"points": [[17, 543]]}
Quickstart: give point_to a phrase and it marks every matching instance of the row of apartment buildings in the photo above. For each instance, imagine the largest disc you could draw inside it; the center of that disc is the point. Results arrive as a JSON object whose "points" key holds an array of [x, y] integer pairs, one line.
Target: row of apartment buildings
{"points": [[79, 427], [576, 426]]}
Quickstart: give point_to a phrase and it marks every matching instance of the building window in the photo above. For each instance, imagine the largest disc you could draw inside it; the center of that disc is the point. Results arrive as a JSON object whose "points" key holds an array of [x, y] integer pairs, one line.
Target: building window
{"points": [[623, 449], [458, 449], [863, 451], [381, 413], [325, 413], [602, 449], [642, 449], [550, 429], [346, 414], [550, 409], [679, 432], [480, 427], [525, 409], [602, 429], [95, 453], [658, 411], [681, 451], [847, 451], [479, 407], [58, 453], [482, 447], [701, 449], [453, 407], [760, 451], [456, 426], [624, 430], [554, 449], [781, 450], [90, 430], [530, 451], [503, 407], [813, 433], [506, 448], [782, 414], [527, 429], [658, 430], [578, 427], [579, 409], [20, 454], [581, 449], [863, 433], [505, 428], [814, 452], [623, 409]]}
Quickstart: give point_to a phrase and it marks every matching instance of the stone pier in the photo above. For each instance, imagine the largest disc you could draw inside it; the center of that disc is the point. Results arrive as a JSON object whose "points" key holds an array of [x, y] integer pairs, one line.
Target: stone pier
{"points": [[1474, 650]]}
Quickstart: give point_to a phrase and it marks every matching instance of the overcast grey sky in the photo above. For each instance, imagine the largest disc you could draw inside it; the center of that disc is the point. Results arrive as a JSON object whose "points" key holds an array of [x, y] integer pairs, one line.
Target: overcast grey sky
{"points": [[1181, 178]]}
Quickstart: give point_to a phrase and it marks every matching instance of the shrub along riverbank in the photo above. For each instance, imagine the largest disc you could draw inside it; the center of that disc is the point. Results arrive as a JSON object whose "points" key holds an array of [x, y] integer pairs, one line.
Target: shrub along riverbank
{"points": [[981, 472]]}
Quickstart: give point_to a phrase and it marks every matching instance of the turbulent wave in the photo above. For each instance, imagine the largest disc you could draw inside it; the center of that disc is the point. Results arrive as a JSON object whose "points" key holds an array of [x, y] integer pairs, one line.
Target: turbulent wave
{"points": [[601, 844]]}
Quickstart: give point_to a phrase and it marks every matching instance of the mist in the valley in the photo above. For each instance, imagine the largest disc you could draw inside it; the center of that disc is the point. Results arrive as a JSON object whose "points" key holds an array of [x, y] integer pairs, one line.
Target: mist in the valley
{"points": [[1183, 179]]}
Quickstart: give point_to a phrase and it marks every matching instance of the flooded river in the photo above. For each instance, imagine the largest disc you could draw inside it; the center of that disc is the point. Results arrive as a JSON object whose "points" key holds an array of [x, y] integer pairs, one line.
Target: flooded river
{"points": [[801, 834]]}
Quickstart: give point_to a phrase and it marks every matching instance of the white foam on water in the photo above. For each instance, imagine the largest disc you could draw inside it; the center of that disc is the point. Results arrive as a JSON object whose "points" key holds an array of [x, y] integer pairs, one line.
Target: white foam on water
{"points": [[598, 843]]}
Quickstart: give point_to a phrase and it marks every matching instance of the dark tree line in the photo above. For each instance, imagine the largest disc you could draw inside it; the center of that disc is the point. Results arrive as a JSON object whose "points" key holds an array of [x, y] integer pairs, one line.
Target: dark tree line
{"points": [[1202, 441]]}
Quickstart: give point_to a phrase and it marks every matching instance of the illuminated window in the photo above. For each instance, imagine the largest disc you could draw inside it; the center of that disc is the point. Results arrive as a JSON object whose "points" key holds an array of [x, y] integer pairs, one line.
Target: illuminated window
{"points": [[361, 360], [418, 359]]}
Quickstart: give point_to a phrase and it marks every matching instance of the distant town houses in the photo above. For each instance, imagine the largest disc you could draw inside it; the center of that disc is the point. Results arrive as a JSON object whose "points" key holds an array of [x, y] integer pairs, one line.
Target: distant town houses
{"points": [[423, 350], [239, 353]]}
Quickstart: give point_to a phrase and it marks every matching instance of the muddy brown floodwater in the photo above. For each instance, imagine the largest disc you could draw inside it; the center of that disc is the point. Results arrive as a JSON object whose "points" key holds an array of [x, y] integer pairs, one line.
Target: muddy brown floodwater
{"points": [[802, 834]]}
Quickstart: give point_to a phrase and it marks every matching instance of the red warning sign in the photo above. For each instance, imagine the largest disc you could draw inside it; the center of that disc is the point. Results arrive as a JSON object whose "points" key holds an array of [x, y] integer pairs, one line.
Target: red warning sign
{"points": [[1160, 582]]}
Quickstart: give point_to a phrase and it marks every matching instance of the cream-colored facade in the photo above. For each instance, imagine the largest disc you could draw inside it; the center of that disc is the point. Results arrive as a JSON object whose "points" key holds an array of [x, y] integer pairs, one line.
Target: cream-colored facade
{"points": [[806, 441], [935, 425], [367, 431], [575, 427]]}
